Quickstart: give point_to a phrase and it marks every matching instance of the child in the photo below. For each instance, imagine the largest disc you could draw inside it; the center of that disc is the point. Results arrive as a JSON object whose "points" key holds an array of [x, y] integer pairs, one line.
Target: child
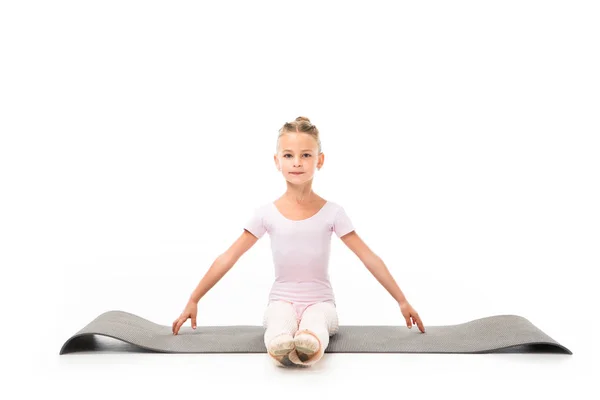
{"points": [[300, 315]]}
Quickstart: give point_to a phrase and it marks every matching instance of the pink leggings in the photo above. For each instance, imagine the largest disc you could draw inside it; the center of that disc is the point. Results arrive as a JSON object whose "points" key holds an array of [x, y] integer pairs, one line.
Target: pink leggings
{"points": [[284, 317]]}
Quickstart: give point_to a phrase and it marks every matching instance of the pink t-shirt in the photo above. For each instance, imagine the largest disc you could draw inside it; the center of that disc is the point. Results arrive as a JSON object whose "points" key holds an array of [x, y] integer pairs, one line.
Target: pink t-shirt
{"points": [[300, 250]]}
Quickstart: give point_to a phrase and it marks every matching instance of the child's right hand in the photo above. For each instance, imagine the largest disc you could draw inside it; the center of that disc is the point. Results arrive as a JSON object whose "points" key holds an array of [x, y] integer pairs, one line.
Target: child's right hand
{"points": [[191, 310]]}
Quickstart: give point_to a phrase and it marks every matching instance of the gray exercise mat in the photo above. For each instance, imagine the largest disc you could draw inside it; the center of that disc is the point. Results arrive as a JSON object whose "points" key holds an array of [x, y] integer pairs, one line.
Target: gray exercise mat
{"points": [[484, 335]]}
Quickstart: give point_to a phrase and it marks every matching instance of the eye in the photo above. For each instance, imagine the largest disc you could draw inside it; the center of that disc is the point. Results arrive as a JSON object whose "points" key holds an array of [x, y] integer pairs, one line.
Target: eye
{"points": [[287, 154]]}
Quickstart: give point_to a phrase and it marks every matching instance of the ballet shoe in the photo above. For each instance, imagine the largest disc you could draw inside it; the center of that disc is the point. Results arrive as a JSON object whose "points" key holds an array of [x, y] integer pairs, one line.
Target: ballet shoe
{"points": [[280, 347], [306, 345]]}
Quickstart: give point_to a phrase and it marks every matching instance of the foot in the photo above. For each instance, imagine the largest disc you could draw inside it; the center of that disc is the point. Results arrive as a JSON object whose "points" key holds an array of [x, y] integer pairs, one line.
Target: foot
{"points": [[307, 345], [281, 345]]}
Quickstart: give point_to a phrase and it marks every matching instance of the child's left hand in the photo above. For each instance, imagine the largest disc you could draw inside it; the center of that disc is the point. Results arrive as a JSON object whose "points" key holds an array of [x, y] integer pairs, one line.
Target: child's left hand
{"points": [[408, 311]]}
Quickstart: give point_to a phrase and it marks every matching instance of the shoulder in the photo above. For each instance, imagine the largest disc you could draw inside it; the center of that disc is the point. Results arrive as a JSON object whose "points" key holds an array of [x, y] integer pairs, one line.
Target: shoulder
{"points": [[334, 206]]}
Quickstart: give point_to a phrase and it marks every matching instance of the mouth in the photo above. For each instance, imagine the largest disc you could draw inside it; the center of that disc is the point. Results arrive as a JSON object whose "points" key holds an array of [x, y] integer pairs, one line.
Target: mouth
{"points": [[296, 173]]}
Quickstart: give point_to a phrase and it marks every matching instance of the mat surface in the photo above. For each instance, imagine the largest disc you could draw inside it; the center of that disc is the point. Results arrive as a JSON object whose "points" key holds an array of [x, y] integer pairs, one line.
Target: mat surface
{"points": [[484, 335]]}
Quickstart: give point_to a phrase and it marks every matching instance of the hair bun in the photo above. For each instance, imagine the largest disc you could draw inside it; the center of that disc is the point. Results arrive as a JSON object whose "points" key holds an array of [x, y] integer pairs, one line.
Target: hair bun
{"points": [[303, 119]]}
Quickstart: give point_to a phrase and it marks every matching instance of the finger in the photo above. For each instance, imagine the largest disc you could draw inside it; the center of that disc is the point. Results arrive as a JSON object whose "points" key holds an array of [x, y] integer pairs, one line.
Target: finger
{"points": [[408, 323], [179, 323], [194, 322], [421, 326]]}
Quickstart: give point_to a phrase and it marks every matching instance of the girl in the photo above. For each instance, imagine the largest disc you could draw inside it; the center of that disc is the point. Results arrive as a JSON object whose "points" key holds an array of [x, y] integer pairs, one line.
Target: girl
{"points": [[300, 315]]}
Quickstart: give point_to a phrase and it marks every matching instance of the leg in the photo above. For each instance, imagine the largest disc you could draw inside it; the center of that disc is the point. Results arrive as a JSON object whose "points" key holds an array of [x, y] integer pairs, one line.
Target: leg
{"points": [[320, 321], [280, 323]]}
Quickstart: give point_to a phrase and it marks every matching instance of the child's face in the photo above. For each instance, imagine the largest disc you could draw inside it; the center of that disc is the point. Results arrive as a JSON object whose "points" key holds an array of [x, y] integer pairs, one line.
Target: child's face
{"points": [[298, 152]]}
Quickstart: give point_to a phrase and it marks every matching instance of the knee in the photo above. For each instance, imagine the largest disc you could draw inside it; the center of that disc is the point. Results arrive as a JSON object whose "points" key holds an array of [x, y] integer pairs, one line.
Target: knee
{"points": [[331, 318]]}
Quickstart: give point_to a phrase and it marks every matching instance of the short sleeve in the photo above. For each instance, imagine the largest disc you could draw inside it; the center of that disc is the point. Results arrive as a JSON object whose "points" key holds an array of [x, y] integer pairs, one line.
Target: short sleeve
{"points": [[342, 224], [255, 224]]}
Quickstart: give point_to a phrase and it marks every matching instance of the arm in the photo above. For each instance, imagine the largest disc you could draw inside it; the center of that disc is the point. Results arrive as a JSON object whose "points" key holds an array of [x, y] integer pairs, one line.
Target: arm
{"points": [[214, 274], [374, 264], [223, 264], [219, 267]]}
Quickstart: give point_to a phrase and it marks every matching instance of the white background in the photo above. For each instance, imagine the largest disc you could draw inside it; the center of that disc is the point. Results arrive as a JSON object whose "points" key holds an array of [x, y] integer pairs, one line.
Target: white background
{"points": [[138, 137]]}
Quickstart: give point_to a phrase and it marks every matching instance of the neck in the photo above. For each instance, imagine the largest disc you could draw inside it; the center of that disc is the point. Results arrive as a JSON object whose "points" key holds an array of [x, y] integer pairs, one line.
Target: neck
{"points": [[302, 194]]}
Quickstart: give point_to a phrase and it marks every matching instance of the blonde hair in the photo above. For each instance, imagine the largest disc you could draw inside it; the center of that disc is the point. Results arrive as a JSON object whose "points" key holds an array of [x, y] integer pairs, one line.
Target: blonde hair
{"points": [[300, 125]]}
